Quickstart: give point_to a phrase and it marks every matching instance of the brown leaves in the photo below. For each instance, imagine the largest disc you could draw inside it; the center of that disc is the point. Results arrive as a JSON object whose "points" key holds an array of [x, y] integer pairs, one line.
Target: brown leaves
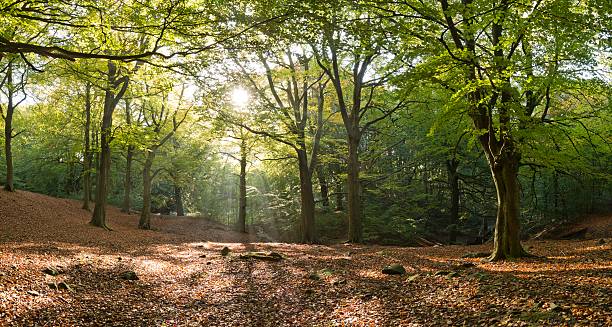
{"points": [[186, 282]]}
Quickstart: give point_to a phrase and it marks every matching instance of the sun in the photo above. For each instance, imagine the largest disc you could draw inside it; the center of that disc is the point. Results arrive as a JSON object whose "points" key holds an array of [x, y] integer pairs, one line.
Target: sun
{"points": [[240, 98]]}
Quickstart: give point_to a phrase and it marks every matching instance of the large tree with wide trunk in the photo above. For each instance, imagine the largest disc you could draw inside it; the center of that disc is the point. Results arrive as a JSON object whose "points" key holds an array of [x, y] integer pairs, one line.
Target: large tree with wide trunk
{"points": [[504, 60]]}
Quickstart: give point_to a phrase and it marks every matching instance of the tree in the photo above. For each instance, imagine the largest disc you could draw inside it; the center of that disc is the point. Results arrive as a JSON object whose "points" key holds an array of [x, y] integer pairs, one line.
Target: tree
{"points": [[115, 89], [87, 153], [352, 56], [157, 118], [504, 59], [286, 96], [11, 89], [129, 156]]}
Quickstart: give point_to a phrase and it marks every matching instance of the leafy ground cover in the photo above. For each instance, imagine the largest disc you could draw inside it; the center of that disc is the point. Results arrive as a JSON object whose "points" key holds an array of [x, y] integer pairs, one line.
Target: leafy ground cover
{"points": [[56, 270]]}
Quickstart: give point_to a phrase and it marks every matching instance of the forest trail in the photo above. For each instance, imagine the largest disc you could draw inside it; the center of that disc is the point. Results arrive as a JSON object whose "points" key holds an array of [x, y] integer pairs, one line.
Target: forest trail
{"points": [[184, 280]]}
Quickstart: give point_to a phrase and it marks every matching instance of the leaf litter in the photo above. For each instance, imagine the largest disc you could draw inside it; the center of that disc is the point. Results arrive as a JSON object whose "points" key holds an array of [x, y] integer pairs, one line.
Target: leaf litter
{"points": [[181, 278]]}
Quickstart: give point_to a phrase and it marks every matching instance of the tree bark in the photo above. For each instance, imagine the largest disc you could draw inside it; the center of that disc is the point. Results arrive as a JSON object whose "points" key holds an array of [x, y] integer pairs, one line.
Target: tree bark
{"points": [[323, 186], [145, 214], [126, 205], [87, 154], [339, 201], [307, 225], [103, 172], [355, 234], [8, 131], [241, 224], [178, 199], [453, 182], [507, 233], [99, 214]]}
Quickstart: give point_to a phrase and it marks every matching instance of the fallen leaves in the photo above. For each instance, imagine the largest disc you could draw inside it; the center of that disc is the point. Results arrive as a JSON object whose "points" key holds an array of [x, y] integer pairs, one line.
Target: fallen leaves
{"points": [[184, 281]]}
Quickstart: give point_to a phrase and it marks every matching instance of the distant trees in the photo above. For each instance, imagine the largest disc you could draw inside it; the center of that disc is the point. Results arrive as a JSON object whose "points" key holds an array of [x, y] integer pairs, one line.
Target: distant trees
{"points": [[403, 91]]}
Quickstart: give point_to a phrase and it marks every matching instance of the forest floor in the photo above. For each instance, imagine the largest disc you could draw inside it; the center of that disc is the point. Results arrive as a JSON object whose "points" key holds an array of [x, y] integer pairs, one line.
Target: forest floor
{"points": [[184, 280]]}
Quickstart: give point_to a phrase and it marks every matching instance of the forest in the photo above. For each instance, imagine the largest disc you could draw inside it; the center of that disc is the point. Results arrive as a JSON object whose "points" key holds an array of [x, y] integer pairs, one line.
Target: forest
{"points": [[306, 163]]}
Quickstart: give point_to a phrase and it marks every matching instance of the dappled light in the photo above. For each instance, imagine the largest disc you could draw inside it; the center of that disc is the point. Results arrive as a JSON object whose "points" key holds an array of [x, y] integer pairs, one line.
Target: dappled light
{"points": [[305, 163]]}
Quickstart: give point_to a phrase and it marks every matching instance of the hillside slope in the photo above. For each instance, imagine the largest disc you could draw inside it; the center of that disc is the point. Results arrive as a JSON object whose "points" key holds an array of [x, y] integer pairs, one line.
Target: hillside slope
{"points": [[32, 217]]}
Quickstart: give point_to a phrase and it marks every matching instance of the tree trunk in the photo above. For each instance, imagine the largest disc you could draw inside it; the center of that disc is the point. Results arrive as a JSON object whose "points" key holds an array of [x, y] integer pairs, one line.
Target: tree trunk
{"points": [[127, 182], [8, 131], [95, 157], [354, 189], [87, 154], [178, 199], [453, 182], [484, 230], [339, 202], [241, 224], [507, 233], [323, 186], [103, 172], [307, 224], [145, 214], [178, 190], [99, 214], [126, 205]]}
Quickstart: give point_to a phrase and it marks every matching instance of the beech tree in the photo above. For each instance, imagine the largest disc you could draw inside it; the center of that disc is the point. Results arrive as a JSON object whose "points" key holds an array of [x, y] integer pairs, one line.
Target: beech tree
{"points": [[357, 68], [292, 92], [506, 60], [13, 87], [162, 119]]}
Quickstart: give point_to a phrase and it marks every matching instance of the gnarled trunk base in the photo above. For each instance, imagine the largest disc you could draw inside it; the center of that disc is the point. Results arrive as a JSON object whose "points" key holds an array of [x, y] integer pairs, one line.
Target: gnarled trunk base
{"points": [[507, 242]]}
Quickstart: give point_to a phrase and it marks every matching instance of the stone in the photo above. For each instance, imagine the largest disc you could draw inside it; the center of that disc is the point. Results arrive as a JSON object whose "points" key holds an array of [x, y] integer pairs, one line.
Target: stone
{"points": [[129, 275], [64, 286], [225, 251], [314, 276], [412, 278], [52, 271], [394, 269]]}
